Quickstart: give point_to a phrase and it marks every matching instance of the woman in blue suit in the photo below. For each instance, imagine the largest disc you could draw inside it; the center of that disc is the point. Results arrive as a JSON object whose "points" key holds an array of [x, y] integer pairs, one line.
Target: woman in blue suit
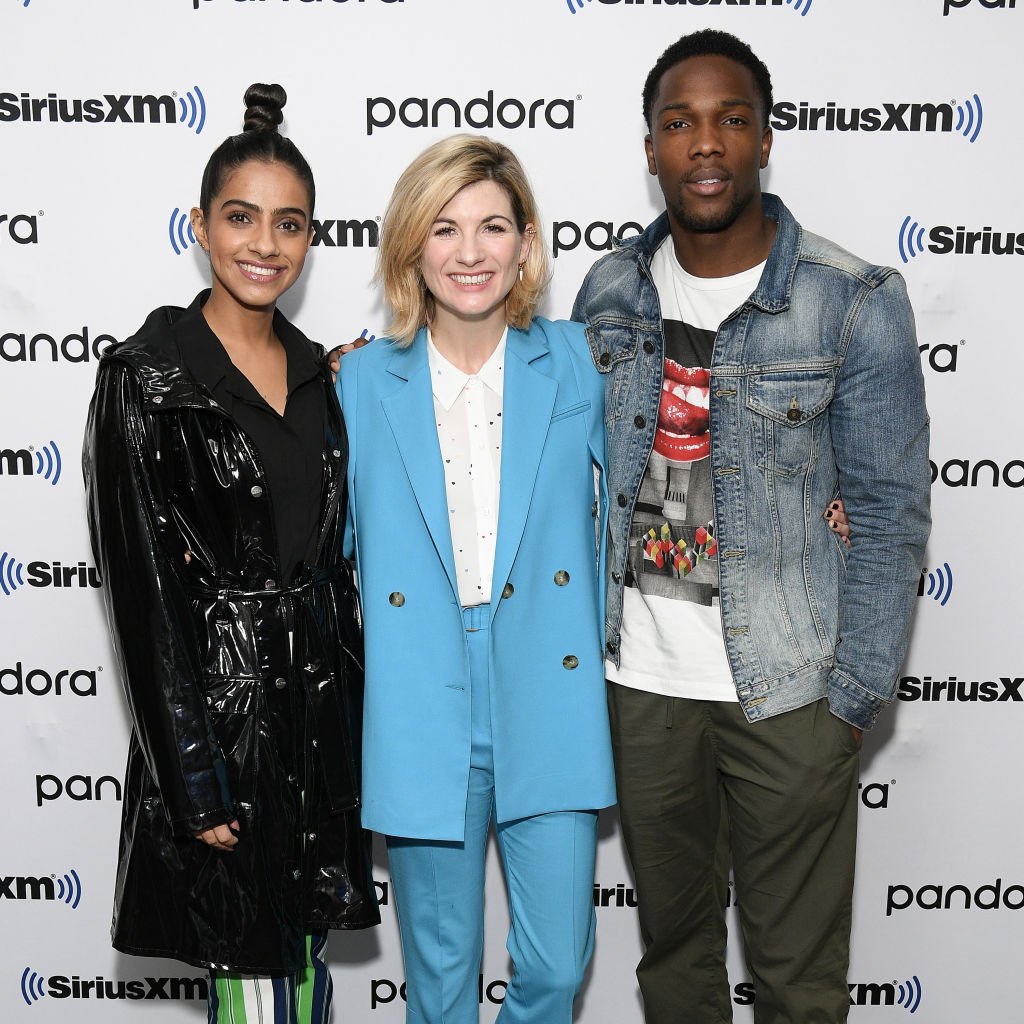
{"points": [[476, 482]]}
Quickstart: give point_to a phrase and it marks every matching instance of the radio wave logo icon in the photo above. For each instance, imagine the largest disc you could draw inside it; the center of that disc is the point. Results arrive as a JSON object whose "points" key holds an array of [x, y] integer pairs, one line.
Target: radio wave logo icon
{"points": [[911, 239], [48, 462], [69, 889], [969, 116], [32, 989], [909, 995], [940, 584], [575, 5], [12, 573], [194, 110], [802, 7], [179, 231]]}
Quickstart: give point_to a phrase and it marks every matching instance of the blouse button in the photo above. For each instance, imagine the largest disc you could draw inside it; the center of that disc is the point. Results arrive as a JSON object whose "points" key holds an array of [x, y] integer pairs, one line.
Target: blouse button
{"points": [[570, 661], [561, 577], [397, 599], [256, 491]]}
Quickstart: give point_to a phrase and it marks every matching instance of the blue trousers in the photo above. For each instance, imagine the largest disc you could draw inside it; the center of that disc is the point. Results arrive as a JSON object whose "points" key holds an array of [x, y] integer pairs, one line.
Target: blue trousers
{"points": [[548, 862]]}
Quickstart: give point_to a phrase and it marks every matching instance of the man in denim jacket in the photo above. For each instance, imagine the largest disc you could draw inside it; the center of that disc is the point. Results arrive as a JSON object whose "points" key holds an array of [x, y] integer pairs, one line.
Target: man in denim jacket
{"points": [[754, 373]]}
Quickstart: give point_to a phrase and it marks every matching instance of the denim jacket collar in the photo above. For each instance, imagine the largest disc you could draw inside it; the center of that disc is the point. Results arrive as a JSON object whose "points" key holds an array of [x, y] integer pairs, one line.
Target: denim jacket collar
{"points": [[774, 290]]}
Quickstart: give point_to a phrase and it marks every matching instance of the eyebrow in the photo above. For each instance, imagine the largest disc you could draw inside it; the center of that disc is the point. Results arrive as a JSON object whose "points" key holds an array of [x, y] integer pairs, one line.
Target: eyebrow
{"points": [[293, 210], [484, 220], [723, 105]]}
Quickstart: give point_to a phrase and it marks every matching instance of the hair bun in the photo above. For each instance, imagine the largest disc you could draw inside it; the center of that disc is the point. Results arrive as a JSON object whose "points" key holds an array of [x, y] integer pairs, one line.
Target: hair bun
{"points": [[263, 105]]}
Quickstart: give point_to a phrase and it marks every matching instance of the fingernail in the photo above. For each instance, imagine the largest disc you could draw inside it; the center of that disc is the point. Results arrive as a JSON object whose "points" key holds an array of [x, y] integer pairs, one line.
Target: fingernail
{"points": [[835, 504], [828, 514], [833, 525]]}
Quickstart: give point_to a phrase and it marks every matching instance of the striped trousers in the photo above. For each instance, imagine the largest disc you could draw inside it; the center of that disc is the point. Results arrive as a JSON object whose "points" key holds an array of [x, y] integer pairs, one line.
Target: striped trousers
{"points": [[300, 998]]}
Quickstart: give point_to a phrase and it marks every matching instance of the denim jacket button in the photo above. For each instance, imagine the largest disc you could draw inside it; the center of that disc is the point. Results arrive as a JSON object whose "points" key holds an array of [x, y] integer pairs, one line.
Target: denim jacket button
{"points": [[648, 347], [605, 358], [621, 499], [640, 422]]}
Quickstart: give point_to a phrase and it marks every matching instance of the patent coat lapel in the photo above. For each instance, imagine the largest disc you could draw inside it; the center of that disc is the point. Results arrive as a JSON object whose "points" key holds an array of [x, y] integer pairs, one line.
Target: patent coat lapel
{"points": [[409, 410]]}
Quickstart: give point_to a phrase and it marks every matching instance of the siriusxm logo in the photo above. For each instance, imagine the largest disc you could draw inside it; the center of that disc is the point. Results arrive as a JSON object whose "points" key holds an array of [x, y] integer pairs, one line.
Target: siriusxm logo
{"points": [[65, 889], [188, 110], [22, 228], [988, 5], [21, 347], [619, 895], [963, 118], [344, 233], [75, 787], [1004, 690], [597, 236], [944, 239], [44, 574], [384, 991], [802, 7], [43, 462], [871, 993], [179, 231], [932, 896], [59, 986], [962, 473], [939, 582], [479, 112], [36, 682]]}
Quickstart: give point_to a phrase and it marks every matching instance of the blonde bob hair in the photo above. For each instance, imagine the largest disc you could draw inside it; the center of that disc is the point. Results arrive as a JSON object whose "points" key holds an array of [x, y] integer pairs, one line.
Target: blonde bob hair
{"points": [[426, 186]]}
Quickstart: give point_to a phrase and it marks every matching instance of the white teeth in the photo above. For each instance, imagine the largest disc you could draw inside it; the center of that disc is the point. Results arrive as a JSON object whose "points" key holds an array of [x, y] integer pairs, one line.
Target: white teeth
{"points": [[259, 271], [470, 278]]}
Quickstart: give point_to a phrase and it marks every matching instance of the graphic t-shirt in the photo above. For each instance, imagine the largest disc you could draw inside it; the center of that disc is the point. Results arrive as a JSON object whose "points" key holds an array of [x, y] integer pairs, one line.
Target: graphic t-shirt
{"points": [[671, 621]]}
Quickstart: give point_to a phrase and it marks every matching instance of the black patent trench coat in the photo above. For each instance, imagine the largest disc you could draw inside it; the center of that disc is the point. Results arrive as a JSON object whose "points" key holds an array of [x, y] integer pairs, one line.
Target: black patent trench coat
{"points": [[220, 665]]}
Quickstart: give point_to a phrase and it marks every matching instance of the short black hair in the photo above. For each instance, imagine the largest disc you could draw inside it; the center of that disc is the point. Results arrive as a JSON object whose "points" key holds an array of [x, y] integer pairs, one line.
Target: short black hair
{"points": [[259, 140], [709, 42]]}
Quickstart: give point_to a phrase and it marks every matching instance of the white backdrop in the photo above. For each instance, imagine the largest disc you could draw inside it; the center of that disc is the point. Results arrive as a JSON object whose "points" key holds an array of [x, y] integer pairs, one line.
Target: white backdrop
{"points": [[107, 116]]}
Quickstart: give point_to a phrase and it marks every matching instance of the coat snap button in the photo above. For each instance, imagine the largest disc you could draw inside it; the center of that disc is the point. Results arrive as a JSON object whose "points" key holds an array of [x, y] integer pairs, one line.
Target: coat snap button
{"points": [[256, 491], [397, 599], [296, 874], [280, 682], [605, 358], [337, 453], [157, 400], [270, 584], [648, 347], [640, 422], [508, 590], [570, 661], [621, 499], [794, 413], [312, 837], [561, 577]]}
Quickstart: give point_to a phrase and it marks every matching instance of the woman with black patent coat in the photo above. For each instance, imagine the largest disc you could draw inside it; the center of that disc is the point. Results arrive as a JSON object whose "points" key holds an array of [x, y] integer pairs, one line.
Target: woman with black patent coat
{"points": [[215, 460]]}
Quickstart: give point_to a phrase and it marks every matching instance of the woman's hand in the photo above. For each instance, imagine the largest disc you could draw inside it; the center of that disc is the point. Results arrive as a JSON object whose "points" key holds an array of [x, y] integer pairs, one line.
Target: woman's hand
{"points": [[223, 837], [334, 356], [835, 516]]}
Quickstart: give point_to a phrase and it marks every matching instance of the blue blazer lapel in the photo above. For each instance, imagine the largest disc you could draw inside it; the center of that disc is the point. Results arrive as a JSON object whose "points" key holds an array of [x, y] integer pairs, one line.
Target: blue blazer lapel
{"points": [[529, 398], [409, 411]]}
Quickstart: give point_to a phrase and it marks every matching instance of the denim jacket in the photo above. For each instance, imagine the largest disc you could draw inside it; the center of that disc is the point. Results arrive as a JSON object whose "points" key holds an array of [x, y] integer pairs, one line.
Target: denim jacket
{"points": [[816, 390]]}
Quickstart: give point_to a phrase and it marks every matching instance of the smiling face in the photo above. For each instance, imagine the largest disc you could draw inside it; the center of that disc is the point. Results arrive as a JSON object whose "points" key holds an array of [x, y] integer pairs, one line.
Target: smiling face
{"points": [[471, 258], [708, 143], [257, 233]]}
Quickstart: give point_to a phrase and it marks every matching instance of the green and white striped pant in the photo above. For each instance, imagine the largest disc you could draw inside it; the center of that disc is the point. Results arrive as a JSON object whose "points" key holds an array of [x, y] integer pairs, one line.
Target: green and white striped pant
{"points": [[300, 998]]}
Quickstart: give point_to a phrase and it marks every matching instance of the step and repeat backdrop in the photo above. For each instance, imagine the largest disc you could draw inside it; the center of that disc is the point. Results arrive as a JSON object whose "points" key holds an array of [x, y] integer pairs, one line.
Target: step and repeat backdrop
{"points": [[897, 134]]}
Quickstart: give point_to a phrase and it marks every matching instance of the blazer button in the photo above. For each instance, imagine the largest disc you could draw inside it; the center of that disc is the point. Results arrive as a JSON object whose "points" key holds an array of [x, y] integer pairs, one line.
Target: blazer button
{"points": [[256, 491], [508, 590], [570, 661], [561, 577], [397, 599]]}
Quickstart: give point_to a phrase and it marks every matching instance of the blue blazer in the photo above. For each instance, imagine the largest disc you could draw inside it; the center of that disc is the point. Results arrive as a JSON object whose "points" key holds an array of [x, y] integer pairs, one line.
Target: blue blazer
{"points": [[551, 743]]}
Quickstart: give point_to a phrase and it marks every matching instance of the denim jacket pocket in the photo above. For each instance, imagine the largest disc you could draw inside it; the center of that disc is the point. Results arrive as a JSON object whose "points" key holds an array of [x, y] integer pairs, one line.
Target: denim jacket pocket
{"points": [[613, 346], [786, 404]]}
